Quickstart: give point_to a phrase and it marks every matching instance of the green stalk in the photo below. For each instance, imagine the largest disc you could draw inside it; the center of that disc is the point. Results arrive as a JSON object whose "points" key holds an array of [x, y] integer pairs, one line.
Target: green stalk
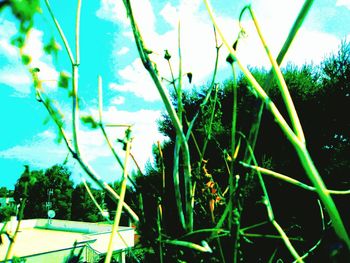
{"points": [[291, 180], [189, 195], [20, 216], [292, 33], [269, 236], [281, 83], [75, 150], [160, 234], [300, 147], [102, 127], [234, 214], [190, 245], [121, 200], [149, 65], [271, 216], [208, 137], [211, 87], [94, 199], [60, 31]]}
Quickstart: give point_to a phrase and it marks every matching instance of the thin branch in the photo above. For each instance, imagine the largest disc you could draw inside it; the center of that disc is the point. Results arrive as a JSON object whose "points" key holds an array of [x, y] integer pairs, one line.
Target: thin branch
{"points": [[292, 33], [269, 236], [291, 180], [299, 146], [122, 196], [150, 67], [270, 213], [281, 83], [60, 31]]}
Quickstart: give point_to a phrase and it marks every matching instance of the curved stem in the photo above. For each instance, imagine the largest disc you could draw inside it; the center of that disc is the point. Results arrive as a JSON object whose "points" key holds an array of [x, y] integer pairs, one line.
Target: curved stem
{"points": [[291, 180], [121, 200], [270, 213], [281, 83], [60, 31], [299, 146]]}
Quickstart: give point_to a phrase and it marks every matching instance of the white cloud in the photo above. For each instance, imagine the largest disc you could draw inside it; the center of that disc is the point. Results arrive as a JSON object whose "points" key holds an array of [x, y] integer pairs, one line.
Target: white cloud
{"points": [[123, 51], [144, 132], [7, 30], [312, 47], [198, 53], [137, 80], [117, 100], [40, 151], [345, 3], [198, 43], [14, 73], [113, 11]]}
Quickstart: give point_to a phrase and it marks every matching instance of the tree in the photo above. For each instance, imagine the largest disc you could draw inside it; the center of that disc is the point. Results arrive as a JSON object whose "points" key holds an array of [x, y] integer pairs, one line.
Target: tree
{"points": [[83, 208], [312, 88], [56, 178], [3, 191], [6, 212]]}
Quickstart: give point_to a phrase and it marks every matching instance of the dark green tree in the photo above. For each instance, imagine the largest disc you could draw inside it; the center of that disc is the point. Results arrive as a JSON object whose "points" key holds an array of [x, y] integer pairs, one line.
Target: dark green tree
{"points": [[321, 95], [6, 212], [83, 208], [56, 178], [3, 191]]}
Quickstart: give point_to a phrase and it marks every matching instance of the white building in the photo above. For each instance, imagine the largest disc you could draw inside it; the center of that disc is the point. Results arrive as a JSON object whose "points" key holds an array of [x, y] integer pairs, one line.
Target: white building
{"points": [[41, 241]]}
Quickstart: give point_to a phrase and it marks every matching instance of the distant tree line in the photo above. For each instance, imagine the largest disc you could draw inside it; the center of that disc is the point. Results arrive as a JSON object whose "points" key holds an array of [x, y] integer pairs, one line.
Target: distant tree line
{"points": [[53, 189]]}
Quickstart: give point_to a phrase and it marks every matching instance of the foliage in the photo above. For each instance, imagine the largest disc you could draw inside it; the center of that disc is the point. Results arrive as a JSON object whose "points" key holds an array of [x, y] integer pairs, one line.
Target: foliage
{"points": [[313, 90], [56, 178], [4, 192], [6, 212], [83, 208]]}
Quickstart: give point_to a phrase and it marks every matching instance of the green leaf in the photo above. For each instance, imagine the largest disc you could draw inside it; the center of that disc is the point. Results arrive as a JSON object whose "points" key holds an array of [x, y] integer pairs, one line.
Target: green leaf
{"points": [[18, 41], [52, 47], [63, 79], [89, 121], [26, 59]]}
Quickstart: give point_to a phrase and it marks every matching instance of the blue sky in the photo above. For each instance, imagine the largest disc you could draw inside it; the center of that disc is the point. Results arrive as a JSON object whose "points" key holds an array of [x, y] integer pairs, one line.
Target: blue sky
{"points": [[107, 49]]}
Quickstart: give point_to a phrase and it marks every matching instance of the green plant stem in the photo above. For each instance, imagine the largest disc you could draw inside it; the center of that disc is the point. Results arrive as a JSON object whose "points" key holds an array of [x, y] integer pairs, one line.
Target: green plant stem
{"points": [[291, 180], [209, 130], [75, 150], [94, 200], [292, 33], [281, 83], [269, 236], [121, 200], [254, 226], [149, 65], [102, 127], [77, 34], [159, 219], [60, 31], [269, 209], [210, 90], [20, 216], [188, 245], [300, 147], [234, 214], [89, 170]]}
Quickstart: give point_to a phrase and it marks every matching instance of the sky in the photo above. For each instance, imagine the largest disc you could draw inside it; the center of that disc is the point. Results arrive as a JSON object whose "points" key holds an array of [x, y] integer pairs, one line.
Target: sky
{"points": [[28, 137]]}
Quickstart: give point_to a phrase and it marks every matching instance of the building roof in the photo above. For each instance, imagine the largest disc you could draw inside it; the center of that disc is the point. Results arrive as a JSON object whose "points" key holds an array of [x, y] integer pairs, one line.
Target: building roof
{"points": [[37, 236]]}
